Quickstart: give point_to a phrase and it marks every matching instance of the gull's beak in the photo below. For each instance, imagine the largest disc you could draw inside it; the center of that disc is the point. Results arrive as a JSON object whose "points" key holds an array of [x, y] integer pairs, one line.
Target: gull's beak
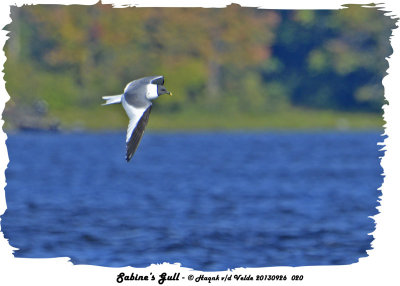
{"points": [[170, 93]]}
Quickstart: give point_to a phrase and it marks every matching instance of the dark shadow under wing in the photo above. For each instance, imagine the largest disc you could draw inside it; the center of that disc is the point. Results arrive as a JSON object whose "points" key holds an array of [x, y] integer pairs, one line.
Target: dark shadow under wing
{"points": [[137, 134]]}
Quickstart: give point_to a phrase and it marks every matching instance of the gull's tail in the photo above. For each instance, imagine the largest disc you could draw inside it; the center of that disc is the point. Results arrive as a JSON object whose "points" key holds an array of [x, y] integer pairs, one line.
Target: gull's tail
{"points": [[112, 99]]}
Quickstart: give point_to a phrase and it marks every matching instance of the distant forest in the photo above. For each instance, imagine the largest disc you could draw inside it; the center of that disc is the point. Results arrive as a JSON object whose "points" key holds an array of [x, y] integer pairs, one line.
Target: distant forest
{"points": [[236, 59]]}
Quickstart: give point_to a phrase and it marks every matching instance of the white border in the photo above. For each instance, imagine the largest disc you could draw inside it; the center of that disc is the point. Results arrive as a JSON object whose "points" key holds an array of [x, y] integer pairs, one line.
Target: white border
{"points": [[379, 268]]}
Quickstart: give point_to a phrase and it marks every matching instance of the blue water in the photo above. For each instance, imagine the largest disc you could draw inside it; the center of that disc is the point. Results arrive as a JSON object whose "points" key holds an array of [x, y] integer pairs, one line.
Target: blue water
{"points": [[210, 201]]}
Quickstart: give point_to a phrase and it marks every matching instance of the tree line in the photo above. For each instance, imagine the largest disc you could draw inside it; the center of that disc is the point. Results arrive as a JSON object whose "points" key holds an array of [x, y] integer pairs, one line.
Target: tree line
{"points": [[235, 59]]}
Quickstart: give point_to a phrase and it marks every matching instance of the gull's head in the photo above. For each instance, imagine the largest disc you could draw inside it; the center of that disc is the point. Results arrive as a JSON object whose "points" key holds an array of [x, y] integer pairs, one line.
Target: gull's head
{"points": [[162, 90], [156, 87]]}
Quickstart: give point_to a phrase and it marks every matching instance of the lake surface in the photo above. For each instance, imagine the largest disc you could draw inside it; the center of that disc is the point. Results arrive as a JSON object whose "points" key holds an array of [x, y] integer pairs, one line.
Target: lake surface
{"points": [[210, 201]]}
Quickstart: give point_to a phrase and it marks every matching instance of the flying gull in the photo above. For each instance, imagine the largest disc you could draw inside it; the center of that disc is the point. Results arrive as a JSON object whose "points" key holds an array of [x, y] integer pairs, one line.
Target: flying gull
{"points": [[136, 101]]}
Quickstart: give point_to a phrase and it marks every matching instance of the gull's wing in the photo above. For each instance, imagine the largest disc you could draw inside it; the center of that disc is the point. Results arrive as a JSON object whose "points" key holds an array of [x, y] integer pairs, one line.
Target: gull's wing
{"points": [[135, 132], [157, 80]]}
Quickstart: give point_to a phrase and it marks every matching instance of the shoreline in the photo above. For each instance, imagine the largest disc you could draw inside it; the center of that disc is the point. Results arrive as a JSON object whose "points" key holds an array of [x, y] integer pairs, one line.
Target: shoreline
{"points": [[292, 119]]}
